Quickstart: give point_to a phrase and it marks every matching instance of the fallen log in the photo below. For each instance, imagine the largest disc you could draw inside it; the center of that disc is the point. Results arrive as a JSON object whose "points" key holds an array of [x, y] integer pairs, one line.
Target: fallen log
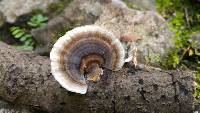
{"points": [[25, 79]]}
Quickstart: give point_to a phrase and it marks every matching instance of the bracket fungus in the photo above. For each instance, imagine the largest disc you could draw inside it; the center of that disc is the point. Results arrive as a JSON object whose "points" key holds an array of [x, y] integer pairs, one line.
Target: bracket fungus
{"points": [[81, 49]]}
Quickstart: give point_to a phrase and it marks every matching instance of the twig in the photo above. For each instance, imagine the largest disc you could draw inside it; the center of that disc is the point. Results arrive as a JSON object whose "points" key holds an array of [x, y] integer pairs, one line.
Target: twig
{"points": [[187, 17]]}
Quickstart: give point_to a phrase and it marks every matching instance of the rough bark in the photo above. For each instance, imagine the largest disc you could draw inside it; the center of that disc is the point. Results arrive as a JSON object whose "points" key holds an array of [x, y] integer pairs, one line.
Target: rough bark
{"points": [[25, 79]]}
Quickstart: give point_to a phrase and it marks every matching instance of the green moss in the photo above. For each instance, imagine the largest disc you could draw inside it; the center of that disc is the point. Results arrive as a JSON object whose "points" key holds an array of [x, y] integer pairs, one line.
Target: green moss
{"points": [[197, 84], [57, 8], [132, 5], [171, 61], [184, 21], [64, 29], [153, 57]]}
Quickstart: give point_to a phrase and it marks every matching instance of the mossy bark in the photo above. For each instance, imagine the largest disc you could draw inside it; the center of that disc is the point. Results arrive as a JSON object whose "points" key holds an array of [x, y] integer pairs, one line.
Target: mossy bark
{"points": [[25, 79]]}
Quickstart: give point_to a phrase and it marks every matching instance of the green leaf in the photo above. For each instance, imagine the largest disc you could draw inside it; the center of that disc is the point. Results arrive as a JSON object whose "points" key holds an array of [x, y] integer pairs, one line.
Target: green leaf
{"points": [[24, 47], [32, 24], [19, 35], [13, 28], [16, 31], [37, 21], [28, 42], [26, 37], [23, 38], [45, 19], [33, 19], [39, 17]]}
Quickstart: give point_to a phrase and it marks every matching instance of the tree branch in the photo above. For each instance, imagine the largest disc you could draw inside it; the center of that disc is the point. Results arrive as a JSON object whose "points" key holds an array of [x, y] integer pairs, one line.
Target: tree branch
{"points": [[25, 79]]}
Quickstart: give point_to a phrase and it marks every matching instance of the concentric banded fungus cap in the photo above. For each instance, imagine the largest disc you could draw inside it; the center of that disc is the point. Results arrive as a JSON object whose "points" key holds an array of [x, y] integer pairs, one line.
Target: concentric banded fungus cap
{"points": [[79, 49]]}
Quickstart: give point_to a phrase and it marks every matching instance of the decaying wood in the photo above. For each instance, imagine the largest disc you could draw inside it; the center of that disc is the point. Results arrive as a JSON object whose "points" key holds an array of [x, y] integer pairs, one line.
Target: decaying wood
{"points": [[25, 79]]}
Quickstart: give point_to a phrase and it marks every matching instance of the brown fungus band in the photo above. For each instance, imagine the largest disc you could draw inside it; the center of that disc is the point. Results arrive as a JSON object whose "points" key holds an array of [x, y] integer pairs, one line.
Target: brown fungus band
{"points": [[78, 50]]}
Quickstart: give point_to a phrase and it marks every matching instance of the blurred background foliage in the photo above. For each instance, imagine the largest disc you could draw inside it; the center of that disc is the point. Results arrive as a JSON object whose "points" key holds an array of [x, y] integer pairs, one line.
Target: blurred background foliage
{"points": [[23, 35], [18, 34], [183, 18]]}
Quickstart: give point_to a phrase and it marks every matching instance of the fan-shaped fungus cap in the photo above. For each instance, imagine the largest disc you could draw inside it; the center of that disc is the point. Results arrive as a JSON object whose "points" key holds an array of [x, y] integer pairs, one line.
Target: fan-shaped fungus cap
{"points": [[79, 49]]}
